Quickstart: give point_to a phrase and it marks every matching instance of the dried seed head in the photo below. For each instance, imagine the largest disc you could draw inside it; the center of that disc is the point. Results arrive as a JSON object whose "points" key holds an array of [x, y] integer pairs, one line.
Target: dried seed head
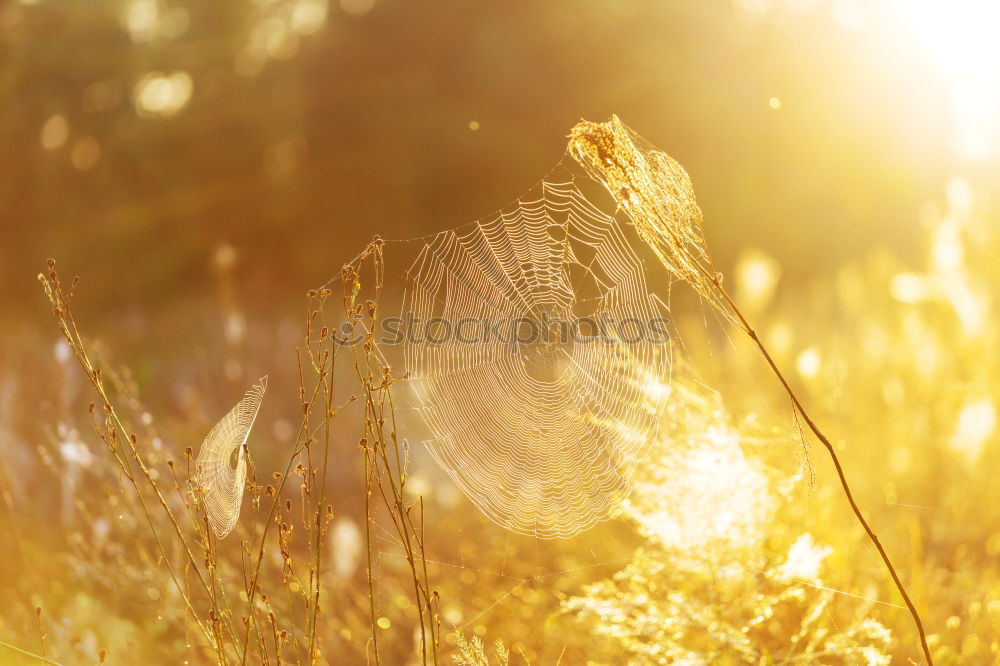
{"points": [[656, 193]]}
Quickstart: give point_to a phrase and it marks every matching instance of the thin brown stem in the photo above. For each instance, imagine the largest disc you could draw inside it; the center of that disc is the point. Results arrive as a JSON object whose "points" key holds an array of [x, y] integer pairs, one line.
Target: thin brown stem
{"points": [[60, 301], [267, 524], [745, 324], [608, 151], [321, 495], [41, 630]]}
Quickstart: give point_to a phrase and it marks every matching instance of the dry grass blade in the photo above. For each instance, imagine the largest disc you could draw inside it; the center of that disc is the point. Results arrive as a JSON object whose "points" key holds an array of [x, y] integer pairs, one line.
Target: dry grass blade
{"points": [[222, 461]]}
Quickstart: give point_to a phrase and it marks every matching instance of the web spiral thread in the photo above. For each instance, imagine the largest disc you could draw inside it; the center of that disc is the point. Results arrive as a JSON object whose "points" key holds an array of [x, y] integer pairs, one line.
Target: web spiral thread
{"points": [[542, 435]]}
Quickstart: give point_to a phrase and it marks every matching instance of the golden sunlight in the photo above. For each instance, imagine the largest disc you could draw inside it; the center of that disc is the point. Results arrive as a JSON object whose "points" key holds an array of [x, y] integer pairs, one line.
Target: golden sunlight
{"points": [[960, 37], [594, 332]]}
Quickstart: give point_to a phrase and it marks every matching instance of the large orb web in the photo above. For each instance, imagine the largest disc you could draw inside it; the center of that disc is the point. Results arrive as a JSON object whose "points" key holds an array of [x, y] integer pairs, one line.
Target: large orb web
{"points": [[542, 420]]}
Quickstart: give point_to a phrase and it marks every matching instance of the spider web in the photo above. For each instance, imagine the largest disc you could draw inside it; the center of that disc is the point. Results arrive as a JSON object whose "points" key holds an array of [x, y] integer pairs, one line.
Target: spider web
{"points": [[544, 439], [222, 461], [541, 426], [544, 436]]}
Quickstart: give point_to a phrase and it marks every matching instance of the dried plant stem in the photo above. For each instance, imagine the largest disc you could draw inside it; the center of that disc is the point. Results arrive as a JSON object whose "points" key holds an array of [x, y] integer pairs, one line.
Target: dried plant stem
{"points": [[657, 195], [252, 591], [41, 630], [369, 470], [714, 279], [328, 413], [126, 469], [409, 530], [215, 614], [425, 597], [749, 330], [29, 655], [384, 465], [60, 301], [322, 365]]}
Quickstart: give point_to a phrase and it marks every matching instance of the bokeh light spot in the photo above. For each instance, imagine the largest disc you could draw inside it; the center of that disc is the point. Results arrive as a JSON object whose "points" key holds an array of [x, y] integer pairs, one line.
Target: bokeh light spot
{"points": [[357, 7], [908, 288], [808, 363], [308, 16], [757, 275], [158, 94], [976, 423], [55, 132]]}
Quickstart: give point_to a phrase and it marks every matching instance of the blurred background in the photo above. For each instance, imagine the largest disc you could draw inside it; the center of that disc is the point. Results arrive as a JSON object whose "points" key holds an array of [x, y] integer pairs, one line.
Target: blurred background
{"points": [[201, 165], [141, 136]]}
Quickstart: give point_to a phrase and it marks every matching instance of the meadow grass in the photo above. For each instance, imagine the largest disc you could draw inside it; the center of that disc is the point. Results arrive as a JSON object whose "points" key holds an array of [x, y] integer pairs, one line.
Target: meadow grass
{"points": [[728, 562]]}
